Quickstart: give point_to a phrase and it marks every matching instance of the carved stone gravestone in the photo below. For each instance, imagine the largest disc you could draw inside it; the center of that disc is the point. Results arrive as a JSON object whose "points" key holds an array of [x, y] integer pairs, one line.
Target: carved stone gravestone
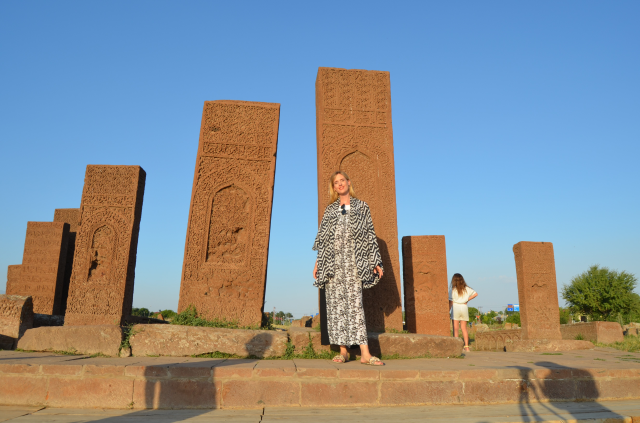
{"points": [[72, 217], [13, 277], [354, 134], [101, 286], [42, 269], [537, 290], [426, 299], [16, 317], [225, 259]]}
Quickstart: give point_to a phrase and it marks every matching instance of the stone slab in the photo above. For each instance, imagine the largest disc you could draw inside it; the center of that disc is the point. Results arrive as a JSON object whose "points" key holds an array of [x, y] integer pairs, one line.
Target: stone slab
{"points": [[300, 338], [602, 332], [225, 259], [101, 286], [530, 378], [99, 339], [72, 217], [355, 135], [43, 266], [415, 345], [495, 340], [537, 290], [546, 345], [426, 284], [16, 317], [181, 341]]}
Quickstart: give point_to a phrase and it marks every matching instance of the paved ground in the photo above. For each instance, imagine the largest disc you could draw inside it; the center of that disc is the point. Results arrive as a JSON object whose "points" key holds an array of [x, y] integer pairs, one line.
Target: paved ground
{"points": [[609, 412]]}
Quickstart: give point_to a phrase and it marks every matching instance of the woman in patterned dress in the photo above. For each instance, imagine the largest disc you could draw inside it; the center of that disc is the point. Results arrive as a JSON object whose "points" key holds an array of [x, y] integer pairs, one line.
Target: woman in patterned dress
{"points": [[348, 261]]}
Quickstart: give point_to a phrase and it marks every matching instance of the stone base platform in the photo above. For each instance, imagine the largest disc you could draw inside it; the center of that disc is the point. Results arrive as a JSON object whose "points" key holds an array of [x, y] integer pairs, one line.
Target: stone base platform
{"points": [[45, 379]]}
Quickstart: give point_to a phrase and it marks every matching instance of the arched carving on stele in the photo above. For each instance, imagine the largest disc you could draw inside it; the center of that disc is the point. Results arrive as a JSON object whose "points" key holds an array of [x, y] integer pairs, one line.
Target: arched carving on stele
{"points": [[223, 263]]}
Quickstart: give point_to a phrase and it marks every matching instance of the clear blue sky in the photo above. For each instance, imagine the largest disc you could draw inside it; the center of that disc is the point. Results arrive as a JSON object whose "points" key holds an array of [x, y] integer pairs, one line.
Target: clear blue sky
{"points": [[513, 121]]}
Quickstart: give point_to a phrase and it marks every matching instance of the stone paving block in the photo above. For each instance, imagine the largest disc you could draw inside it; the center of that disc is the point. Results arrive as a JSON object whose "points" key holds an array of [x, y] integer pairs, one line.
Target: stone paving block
{"points": [[103, 370], [421, 392], [544, 345], [176, 394], [276, 368], [22, 390], [175, 340], [89, 392], [478, 391], [315, 368], [351, 372], [338, 393], [256, 394], [552, 390], [415, 345], [104, 339], [235, 368], [25, 368]]}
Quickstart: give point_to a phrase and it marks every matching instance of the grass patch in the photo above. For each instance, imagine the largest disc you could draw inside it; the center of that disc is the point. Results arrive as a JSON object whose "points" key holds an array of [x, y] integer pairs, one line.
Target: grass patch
{"points": [[392, 330], [218, 354], [551, 354], [402, 357], [99, 355], [579, 337], [190, 317], [630, 343], [127, 332], [600, 359]]}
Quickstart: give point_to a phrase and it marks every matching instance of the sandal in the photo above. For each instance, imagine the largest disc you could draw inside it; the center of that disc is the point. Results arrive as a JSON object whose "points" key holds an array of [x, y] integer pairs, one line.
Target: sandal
{"points": [[373, 361], [466, 348], [339, 359]]}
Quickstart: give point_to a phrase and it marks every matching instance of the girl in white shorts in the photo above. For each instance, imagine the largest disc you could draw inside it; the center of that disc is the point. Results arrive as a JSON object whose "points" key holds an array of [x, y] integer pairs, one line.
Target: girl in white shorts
{"points": [[459, 294]]}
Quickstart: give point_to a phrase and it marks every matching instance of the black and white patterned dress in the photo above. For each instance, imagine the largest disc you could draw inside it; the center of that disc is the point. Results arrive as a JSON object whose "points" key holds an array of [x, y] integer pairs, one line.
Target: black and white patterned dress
{"points": [[345, 314]]}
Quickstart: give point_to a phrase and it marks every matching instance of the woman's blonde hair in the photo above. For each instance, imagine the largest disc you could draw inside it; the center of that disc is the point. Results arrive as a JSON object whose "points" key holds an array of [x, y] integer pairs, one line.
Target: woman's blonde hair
{"points": [[333, 195], [458, 283]]}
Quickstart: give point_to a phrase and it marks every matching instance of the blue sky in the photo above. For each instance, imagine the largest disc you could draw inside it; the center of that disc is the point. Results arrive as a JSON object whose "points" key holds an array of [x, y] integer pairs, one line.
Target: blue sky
{"points": [[513, 121]]}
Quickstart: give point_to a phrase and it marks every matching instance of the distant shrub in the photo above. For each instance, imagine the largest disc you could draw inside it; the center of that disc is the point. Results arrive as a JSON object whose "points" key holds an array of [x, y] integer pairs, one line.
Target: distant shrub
{"points": [[141, 312], [514, 318]]}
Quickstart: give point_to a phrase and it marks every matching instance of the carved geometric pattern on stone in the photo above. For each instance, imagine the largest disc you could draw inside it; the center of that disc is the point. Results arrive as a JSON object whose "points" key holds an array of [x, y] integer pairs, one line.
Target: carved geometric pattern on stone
{"points": [[101, 286], [43, 265], [354, 134], [226, 250], [72, 217], [537, 290], [426, 303]]}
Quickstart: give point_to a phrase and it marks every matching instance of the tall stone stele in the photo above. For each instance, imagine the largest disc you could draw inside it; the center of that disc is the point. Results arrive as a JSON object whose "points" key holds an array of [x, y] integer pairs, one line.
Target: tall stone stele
{"points": [[354, 134], [101, 286], [16, 317], [426, 299], [41, 274], [71, 217], [537, 290], [225, 257]]}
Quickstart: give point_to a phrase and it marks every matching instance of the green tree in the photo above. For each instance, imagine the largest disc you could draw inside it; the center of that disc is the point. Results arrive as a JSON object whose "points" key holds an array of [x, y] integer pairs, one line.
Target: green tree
{"points": [[514, 317], [141, 312], [473, 312], [168, 314], [601, 293], [487, 318], [565, 316]]}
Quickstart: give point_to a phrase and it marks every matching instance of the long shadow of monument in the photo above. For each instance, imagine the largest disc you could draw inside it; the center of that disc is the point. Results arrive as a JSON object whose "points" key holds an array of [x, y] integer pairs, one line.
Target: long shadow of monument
{"points": [[188, 391], [387, 289], [565, 388]]}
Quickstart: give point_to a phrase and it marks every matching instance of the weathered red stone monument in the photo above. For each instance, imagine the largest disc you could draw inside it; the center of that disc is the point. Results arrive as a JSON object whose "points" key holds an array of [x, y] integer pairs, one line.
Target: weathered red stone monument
{"points": [[426, 300], [16, 316], [13, 277], [42, 269], [225, 258], [354, 134], [72, 217], [101, 286], [537, 290]]}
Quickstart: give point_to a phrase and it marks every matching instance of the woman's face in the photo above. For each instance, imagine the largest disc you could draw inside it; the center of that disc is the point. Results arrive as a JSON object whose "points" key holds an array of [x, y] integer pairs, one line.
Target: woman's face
{"points": [[341, 185]]}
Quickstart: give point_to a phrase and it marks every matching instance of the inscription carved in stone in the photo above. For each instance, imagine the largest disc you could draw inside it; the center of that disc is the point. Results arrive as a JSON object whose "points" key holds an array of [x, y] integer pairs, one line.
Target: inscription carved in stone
{"points": [[426, 300], [72, 217], [537, 290], [42, 269], [101, 286], [354, 134], [225, 260]]}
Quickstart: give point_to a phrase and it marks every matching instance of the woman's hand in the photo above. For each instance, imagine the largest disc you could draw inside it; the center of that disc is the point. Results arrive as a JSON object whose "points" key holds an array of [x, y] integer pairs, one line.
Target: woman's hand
{"points": [[315, 271], [378, 270]]}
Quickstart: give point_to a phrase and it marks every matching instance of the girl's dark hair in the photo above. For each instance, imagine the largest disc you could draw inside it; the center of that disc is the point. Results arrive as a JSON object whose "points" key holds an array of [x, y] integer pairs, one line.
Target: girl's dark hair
{"points": [[458, 283]]}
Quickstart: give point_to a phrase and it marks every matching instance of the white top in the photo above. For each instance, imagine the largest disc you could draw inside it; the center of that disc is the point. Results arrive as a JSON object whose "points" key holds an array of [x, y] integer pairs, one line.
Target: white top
{"points": [[461, 299]]}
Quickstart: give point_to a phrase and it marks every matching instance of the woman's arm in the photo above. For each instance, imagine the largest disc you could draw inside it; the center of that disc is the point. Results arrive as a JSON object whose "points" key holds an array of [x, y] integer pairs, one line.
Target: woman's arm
{"points": [[475, 294], [315, 271], [450, 304]]}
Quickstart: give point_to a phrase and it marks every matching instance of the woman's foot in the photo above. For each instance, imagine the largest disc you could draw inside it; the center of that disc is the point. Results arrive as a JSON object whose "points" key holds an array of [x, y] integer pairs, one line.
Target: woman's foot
{"points": [[466, 348], [340, 358], [372, 361]]}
